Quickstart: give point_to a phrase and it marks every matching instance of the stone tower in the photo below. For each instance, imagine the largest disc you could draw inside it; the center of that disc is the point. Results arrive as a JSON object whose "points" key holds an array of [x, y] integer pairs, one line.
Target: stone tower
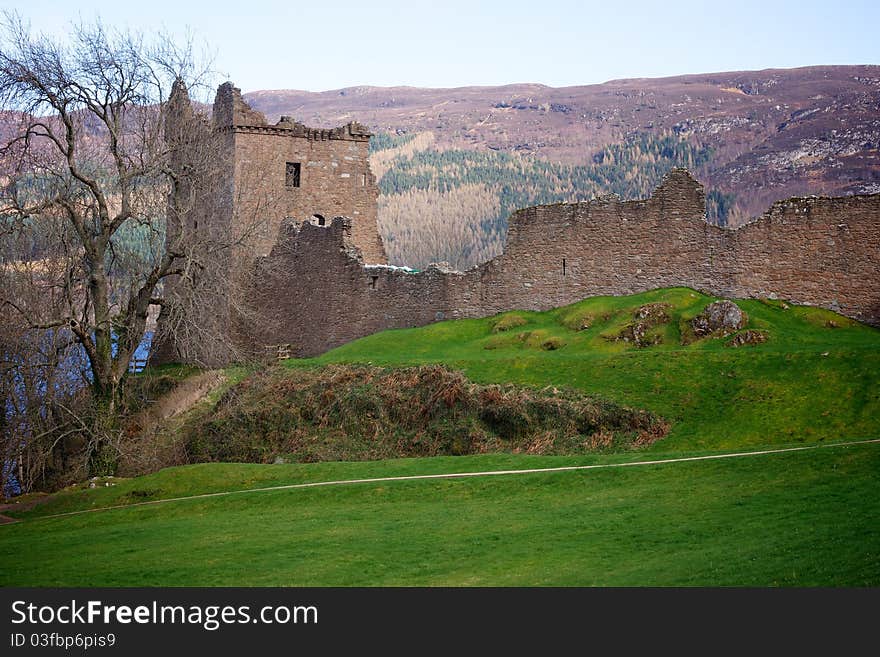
{"points": [[249, 178], [288, 172]]}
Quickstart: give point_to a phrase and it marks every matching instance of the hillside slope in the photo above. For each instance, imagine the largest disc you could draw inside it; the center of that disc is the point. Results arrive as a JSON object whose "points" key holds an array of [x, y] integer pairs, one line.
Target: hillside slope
{"points": [[815, 378], [773, 133]]}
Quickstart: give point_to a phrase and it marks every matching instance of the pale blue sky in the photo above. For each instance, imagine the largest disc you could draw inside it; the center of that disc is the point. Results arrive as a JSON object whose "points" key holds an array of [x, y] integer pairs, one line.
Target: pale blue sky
{"points": [[271, 44]]}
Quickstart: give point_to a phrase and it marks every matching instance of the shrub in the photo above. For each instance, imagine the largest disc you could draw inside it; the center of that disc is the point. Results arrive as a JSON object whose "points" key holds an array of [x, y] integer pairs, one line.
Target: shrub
{"points": [[359, 412]]}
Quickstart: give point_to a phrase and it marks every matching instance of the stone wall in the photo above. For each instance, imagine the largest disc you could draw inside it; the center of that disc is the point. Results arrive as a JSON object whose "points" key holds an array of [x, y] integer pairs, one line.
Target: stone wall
{"points": [[334, 175], [322, 295], [818, 251], [243, 201], [558, 254]]}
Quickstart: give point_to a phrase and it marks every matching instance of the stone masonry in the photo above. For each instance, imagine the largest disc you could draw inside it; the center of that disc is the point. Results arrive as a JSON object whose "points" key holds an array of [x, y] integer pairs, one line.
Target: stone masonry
{"points": [[288, 171], [266, 175], [818, 251], [319, 265]]}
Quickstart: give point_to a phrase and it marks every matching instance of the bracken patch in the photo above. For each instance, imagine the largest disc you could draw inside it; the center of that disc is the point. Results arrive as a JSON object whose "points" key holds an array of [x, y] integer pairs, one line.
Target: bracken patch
{"points": [[359, 412]]}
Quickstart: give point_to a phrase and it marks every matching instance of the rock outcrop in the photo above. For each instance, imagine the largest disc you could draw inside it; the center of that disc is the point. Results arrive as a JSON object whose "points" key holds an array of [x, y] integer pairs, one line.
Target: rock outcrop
{"points": [[719, 318]]}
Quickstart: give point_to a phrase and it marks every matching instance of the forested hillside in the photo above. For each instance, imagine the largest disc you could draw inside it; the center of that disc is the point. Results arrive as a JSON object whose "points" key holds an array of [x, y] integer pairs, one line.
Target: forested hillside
{"points": [[452, 205], [751, 137]]}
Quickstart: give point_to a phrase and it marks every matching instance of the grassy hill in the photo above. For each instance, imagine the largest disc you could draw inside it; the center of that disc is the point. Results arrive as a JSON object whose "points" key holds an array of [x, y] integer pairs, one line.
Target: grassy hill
{"points": [[817, 377], [804, 518]]}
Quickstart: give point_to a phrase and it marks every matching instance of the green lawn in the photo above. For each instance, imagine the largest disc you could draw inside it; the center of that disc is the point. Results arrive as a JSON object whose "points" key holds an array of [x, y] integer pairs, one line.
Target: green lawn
{"points": [[806, 518], [809, 382], [798, 518]]}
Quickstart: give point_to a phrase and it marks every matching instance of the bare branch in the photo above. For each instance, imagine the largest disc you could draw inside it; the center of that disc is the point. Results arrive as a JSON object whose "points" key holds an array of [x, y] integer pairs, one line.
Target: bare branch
{"points": [[90, 186]]}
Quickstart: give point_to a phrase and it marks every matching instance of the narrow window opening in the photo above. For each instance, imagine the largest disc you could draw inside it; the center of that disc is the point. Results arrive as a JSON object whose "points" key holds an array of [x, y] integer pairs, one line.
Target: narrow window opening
{"points": [[373, 281], [292, 174], [363, 180], [563, 266]]}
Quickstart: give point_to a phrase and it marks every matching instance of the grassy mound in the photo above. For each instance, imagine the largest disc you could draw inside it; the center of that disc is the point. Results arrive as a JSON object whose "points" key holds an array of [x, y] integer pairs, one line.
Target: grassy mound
{"points": [[363, 413], [801, 374], [508, 321]]}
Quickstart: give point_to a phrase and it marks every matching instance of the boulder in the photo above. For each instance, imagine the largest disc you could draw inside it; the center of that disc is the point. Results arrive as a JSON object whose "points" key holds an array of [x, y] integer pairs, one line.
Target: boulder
{"points": [[720, 317]]}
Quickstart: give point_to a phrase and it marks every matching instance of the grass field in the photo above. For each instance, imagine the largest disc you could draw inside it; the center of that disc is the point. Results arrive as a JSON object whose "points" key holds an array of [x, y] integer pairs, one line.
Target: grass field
{"points": [[801, 518], [797, 518], [816, 378]]}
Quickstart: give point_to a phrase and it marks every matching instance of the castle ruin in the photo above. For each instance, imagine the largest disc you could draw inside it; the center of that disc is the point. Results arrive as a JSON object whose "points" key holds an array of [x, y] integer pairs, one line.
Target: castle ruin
{"points": [[320, 267], [290, 172]]}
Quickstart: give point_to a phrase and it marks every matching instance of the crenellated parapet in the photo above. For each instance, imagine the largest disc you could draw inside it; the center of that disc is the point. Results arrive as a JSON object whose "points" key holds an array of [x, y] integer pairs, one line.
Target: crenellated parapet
{"points": [[352, 131], [231, 112]]}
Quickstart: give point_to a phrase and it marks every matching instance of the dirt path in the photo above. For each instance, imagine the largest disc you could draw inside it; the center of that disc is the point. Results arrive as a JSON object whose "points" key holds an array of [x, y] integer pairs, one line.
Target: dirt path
{"points": [[179, 400], [462, 475], [20, 506]]}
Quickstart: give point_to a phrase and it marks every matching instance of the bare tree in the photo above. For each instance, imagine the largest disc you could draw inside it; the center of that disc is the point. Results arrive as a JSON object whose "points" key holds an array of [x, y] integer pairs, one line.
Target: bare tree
{"points": [[106, 160], [40, 383], [209, 307]]}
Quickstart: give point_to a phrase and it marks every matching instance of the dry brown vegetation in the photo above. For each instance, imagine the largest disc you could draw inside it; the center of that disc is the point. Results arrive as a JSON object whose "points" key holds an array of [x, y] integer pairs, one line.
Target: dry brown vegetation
{"points": [[424, 226], [381, 161], [359, 412]]}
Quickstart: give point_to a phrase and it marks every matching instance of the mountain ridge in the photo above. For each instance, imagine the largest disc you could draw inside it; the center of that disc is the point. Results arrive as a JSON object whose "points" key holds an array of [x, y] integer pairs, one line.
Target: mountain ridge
{"points": [[774, 133]]}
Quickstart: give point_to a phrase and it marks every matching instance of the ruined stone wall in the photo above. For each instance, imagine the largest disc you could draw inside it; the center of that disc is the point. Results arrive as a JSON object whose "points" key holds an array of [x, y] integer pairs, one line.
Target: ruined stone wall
{"points": [[243, 205], [199, 218], [334, 175], [818, 251], [335, 180], [558, 254], [322, 295]]}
